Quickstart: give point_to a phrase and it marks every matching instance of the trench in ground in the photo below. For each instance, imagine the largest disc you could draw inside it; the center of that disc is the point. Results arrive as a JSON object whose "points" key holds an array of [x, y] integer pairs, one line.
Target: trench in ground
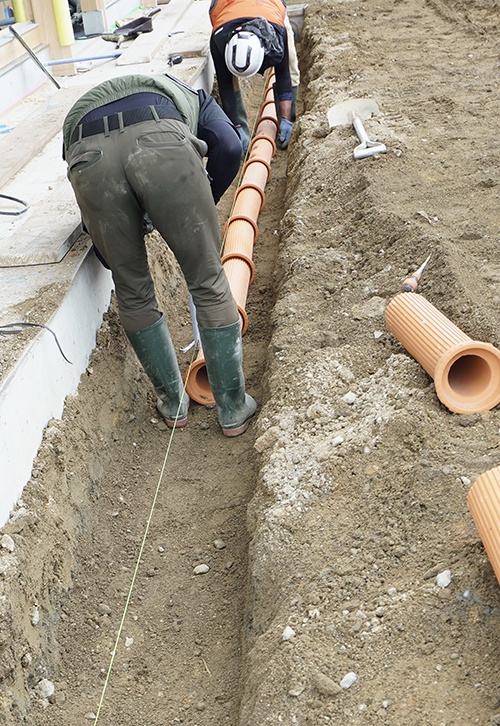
{"points": [[97, 485]]}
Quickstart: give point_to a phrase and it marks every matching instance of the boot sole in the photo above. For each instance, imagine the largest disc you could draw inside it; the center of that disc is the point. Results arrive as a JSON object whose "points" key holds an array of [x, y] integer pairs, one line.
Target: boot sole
{"points": [[238, 430], [179, 424]]}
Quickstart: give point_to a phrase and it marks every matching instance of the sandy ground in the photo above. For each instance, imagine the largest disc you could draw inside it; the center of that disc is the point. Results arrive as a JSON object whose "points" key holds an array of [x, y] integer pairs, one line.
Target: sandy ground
{"points": [[326, 525]]}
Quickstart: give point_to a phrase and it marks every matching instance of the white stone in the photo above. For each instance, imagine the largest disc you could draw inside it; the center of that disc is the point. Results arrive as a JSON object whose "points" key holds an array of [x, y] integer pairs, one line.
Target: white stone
{"points": [[288, 633], [201, 570], [348, 680], [443, 579], [45, 688]]}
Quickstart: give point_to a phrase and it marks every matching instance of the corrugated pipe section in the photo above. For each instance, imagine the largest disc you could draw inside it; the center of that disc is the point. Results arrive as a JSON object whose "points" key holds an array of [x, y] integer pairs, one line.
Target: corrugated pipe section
{"points": [[484, 505], [240, 230], [466, 372]]}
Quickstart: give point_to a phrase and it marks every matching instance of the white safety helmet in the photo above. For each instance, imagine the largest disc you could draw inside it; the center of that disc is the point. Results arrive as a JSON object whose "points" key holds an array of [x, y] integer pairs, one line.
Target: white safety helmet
{"points": [[244, 54]]}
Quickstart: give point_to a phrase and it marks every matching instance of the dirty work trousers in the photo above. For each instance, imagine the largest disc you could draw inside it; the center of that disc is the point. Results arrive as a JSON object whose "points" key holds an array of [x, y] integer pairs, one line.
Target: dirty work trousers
{"points": [[154, 167]]}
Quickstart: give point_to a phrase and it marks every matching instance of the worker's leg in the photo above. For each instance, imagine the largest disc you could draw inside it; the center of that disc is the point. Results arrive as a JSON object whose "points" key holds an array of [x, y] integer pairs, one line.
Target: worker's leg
{"points": [[240, 107], [113, 218], [179, 201]]}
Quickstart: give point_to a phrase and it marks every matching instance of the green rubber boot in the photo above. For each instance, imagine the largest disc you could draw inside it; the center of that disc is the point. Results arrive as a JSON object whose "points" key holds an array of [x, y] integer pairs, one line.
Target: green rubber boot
{"points": [[154, 348], [223, 354]]}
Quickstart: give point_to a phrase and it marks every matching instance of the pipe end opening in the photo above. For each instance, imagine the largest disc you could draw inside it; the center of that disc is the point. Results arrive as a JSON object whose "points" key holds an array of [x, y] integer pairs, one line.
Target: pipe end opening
{"points": [[469, 381], [198, 386]]}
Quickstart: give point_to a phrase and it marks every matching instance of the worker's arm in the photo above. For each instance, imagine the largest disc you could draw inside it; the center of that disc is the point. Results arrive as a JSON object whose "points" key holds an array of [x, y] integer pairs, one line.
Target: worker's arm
{"points": [[224, 79], [283, 95], [224, 145]]}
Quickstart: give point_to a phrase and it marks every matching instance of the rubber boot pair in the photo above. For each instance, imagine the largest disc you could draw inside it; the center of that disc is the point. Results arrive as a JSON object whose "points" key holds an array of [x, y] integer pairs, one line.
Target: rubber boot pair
{"points": [[223, 353], [156, 353]]}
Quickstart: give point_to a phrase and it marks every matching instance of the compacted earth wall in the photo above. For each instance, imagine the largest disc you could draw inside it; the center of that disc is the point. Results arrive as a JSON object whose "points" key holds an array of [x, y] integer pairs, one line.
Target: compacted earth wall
{"points": [[372, 598]]}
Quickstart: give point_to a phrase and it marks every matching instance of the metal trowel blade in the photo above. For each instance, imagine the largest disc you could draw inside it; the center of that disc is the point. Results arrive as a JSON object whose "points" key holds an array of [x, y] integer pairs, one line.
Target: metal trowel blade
{"points": [[342, 113]]}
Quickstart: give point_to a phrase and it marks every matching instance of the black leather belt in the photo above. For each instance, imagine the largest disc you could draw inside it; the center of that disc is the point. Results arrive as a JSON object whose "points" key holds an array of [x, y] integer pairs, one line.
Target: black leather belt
{"points": [[127, 118]]}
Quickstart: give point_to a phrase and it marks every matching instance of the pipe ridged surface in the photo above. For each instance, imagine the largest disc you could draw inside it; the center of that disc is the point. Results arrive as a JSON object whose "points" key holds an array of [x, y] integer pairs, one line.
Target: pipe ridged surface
{"points": [[466, 372], [261, 147], [256, 173], [240, 241], [484, 505], [241, 231], [248, 203]]}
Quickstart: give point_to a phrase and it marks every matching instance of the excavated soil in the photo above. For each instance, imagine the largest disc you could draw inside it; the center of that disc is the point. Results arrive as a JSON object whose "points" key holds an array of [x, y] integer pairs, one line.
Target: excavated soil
{"points": [[325, 527]]}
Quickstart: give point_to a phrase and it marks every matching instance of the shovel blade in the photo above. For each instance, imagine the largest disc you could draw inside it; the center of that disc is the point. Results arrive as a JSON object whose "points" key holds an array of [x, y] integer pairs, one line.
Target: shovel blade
{"points": [[343, 113]]}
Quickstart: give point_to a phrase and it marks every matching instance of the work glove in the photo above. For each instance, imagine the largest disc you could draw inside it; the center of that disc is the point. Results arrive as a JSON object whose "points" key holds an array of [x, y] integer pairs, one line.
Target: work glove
{"points": [[244, 138], [285, 132]]}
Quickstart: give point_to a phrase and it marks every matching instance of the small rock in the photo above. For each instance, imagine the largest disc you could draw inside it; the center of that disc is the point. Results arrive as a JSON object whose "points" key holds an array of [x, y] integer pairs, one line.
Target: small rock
{"points": [[201, 570], [267, 440], [428, 648], [348, 680], [325, 685], [128, 642], [45, 688], [103, 609], [7, 543], [288, 633], [443, 579], [219, 544], [35, 615], [349, 397], [90, 716]]}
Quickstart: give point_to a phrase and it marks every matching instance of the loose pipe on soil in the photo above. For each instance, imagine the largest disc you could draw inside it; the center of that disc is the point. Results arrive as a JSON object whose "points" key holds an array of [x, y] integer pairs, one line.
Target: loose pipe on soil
{"points": [[483, 500], [466, 372], [241, 230]]}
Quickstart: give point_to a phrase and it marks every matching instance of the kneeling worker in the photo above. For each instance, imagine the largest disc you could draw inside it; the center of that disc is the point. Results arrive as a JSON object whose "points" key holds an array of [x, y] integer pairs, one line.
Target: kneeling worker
{"points": [[135, 145], [249, 36]]}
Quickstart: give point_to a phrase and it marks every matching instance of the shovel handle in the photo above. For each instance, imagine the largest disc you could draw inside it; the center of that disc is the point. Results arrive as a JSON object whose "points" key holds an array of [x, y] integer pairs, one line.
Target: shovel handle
{"points": [[360, 129]]}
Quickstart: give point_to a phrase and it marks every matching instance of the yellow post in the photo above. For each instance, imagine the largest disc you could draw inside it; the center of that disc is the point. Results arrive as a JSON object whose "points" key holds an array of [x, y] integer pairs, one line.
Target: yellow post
{"points": [[63, 22], [19, 14]]}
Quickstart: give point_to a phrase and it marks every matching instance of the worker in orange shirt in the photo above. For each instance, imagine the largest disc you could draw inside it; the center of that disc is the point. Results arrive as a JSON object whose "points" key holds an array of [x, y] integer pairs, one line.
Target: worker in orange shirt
{"points": [[249, 36]]}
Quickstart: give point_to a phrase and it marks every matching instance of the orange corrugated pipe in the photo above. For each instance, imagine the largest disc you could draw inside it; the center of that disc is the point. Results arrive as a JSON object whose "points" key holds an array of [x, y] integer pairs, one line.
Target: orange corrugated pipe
{"points": [[466, 372], [484, 505], [241, 229]]}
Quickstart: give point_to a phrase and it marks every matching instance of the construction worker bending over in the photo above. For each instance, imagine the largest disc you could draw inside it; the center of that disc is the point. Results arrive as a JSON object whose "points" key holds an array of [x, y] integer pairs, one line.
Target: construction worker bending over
{"points": [[135, 145], [249, 36]]}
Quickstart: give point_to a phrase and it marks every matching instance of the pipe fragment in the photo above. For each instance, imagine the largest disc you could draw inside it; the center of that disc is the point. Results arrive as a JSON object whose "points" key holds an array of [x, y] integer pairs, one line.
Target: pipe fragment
{"points": [[466, 372], [483, 500]]}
